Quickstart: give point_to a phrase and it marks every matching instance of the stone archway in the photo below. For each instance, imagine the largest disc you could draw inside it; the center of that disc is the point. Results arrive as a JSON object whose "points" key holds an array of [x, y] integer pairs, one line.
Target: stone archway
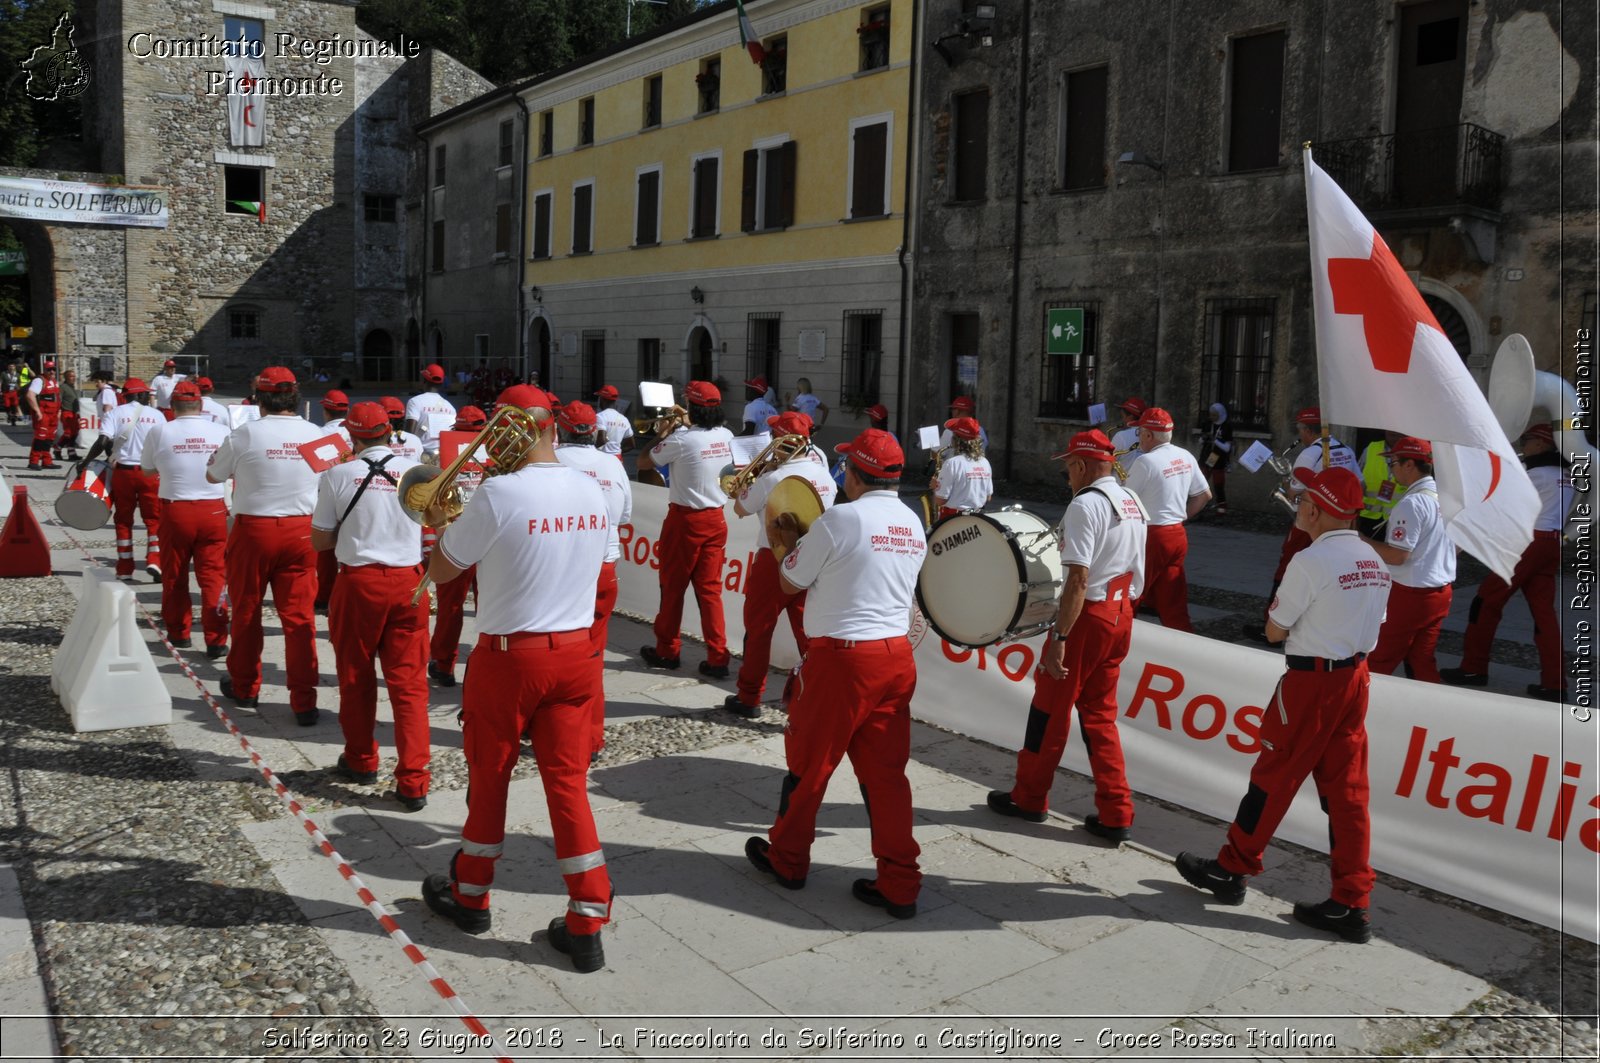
{"points": [[377, 356], [39, 250]]}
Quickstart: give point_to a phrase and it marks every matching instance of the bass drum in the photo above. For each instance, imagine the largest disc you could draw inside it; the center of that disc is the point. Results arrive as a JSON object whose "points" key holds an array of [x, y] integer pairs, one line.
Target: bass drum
{"points": [[85, 503], [990, 577]]}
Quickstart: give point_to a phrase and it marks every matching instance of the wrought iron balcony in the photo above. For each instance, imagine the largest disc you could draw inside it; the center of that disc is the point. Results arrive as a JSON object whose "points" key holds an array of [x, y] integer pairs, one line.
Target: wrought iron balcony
{"points": [[1445, 167]]}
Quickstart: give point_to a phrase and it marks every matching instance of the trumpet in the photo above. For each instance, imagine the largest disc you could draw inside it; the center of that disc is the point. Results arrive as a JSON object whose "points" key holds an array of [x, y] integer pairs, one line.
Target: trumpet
{"points": [[1283, 493], [670, 421], [1117, 466], [783, 449]]}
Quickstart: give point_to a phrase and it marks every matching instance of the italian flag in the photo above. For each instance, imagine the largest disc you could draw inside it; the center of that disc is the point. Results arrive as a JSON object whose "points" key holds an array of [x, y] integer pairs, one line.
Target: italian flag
{"points": [[747, 35], [259, 209]]}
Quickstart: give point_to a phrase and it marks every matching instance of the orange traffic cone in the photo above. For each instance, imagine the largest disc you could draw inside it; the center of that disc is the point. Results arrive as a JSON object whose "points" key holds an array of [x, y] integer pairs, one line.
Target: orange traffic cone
{"points": [[23, 551]]}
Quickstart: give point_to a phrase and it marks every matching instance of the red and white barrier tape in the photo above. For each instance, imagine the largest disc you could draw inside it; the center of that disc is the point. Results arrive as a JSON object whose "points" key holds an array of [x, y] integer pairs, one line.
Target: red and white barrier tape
{"points": [[368, 899]]}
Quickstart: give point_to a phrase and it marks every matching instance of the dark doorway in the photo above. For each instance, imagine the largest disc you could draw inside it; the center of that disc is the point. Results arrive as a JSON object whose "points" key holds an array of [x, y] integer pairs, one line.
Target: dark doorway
{"points": [[702, 363], [541, 351], [1427, 108], [27, 285], [377, 356], [413, 349], [1451, 323]]}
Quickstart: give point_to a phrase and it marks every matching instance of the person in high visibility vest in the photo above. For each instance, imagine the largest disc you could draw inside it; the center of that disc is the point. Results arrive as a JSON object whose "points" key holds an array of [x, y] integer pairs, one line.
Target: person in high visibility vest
{"points": [[1379, 487]]}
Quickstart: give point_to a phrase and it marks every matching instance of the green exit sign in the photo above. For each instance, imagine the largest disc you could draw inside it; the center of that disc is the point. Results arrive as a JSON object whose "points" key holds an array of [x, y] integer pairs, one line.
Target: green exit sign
{"points": [[1063, 330]]}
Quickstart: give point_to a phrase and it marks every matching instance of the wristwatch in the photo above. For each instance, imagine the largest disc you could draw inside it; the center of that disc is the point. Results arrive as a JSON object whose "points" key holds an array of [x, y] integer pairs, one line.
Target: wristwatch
{"points": [[1058, 636]]}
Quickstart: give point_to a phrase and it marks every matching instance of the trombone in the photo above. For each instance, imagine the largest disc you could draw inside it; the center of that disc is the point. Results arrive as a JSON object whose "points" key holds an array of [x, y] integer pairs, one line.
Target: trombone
{"points": [[782, 450], [1283, 494], [1117, 466]]}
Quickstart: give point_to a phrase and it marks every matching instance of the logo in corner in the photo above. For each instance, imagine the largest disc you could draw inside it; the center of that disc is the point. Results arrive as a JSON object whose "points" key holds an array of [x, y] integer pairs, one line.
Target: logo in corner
{"points": [[57, 71]]}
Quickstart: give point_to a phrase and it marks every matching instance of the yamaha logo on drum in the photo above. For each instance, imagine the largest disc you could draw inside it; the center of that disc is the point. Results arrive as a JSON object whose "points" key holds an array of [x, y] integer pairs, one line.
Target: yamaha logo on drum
{"points": [[950, 542]]}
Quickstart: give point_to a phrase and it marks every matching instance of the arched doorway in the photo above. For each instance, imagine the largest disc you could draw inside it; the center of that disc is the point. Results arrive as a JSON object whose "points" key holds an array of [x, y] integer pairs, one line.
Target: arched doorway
{"points": [[702, 355], [1451, 323], [28, 285], [540, 349], [413, 350], [377, 356], [435, 352]]}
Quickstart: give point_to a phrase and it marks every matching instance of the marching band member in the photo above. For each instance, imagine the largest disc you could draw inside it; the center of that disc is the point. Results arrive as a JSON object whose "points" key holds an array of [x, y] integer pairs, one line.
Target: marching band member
{"points": [[765, 600], [335, 404], [1328, 611], [427, 414], [1422, 566], [274, 492], [450, 599], [371, 618], [123, 434], [960, 406], [757, 411], [538, 534], [194, 519], [69, 416], [1168, 481], [1125, 440], [210, 407], [1216, 452], [965, 480], [162, 384], [1102, 551], [403, 443], [44, 407], [695, 530], [860, 564], [617, 430]]}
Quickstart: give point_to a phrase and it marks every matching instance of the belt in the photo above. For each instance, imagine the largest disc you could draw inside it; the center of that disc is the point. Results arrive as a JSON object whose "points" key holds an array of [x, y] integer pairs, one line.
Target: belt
{"points": [[376, 567], [120, 465], [532, 640], [859, 644], [1547, 534], [1321, 664]]}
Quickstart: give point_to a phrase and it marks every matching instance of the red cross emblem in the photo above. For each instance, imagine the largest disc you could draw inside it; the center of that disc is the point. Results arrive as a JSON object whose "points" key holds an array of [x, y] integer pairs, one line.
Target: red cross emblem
{"points": [[247, 85], [1389, 305]]}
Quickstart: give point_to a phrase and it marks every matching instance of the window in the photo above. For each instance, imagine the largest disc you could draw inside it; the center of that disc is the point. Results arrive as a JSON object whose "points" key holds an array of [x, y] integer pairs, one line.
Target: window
{"points": [[1081, 157], [652, 102], [863, 356], [1066, 381], [703, 207], [874, 35], [586, 121], [438, 166], [761, 347], [767, 196], [583, 218], [380, 208], [869, 169], [480, 347], [244, 324], [437, 262], [650, 359], [505, 142], [1255, 102], [502, 230], [542, 204], [775, 67], [971, 163], [594, 360], [709, 85], [647, 208], [547, 133], [244, 190], [250, 29], [963, 333], [1237, 370]]}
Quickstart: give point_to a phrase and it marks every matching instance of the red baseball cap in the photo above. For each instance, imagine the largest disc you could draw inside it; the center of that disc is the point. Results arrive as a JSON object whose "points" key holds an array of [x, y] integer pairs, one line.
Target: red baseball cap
{"points": [[393, 406], [527, 397], [169, 364], [880, 412], [875, 452], [606, 392], [757, 384], [469, 418], [1134, 406], [1311, 415], [134, 386], [1411, 447], [578, 417], [49, 365], [703, 393], [433, 374], [275, 378], [186, 391], [367, 420], [964, 427], [1336, 491], [1543, 431], [963, 403], [1091, 444], [790, 423], [206, 385], [336, 400], [1156, 419]]}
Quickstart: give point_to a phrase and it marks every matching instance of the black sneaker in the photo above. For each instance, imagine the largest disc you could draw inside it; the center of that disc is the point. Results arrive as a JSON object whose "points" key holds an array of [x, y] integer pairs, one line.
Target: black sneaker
{"points": [[445, 677], [1349, 923], [436, 892], [1455, 677], [1000, 801], [587, 954], [412, 802], [308, 718], [186, 643], [219, 650], [865, 890], [154, 572], [344, 770], [715, 671], [1092, 824], [655, 660], [1546, 693], [739, 708], [1209, 875], [226, 685], [755, 850]]}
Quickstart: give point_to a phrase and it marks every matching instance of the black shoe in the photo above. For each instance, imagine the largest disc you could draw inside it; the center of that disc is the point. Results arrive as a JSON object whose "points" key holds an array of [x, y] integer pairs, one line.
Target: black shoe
{"points": [[436, 892], [445, 677], [219, 650], [755, 850], [1546, 693], [585, 950], [715, 671], [154, 572], [344, 770], [1349, 923], [1092, 824], [308, 718], [226, 685], [739, 708], [1455, 677], [186, 643], [412, 802], [1000, 801], [655, 660], [1209, 875], [1255, 633], [865, 890]]}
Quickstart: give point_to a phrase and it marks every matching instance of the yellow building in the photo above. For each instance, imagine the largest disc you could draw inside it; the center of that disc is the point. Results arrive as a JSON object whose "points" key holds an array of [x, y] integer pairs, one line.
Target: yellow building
{"points": [[693, 214]]}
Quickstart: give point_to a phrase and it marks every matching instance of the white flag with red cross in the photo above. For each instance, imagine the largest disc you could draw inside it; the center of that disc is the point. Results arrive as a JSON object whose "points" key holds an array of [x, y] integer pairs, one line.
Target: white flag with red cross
{"points": [[1383, 362], [247, 107]]}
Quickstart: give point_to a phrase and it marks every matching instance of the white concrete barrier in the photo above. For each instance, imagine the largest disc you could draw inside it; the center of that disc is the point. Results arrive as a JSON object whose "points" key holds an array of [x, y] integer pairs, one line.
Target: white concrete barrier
{"points": [[115, 684], [94, 596]]}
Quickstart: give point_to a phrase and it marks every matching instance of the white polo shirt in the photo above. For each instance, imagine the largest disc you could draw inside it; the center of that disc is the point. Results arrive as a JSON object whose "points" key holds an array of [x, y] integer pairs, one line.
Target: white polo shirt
{"points": [[1105, 535], [270, 476], [614, 484], [965, 483], [161, 388], [434, 414], [377, 532], [538, 536], [403, 444], [860, 563], [129, 425], [1126, 439], [106, 399], [617, 429], [1339, 457], [810, 466], [178, 451], [697, 457], [214, 411], [1416, 527], [1165, 478], [1333, 597], [756, 412]]}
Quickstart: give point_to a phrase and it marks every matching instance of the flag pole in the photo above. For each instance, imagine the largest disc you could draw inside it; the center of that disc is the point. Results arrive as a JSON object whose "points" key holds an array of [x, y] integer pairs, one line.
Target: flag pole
{"points": [[1305, 146]]}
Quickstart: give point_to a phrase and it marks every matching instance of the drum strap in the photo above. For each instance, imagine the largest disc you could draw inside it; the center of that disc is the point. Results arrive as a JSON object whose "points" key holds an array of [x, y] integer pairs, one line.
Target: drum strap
{"points": [[1116, 509], [374, 469]]}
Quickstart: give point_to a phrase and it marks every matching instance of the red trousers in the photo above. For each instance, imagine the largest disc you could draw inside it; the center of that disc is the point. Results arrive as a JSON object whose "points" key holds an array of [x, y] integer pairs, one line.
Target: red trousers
{"points": [[1411, 631], [1316, 726], [547, 681], [452, 603], [371, 620], [605, 600], [1092, 657], [691, 551], [853, 699], [1217, 480], [1166, 586], [44, 436], [764, 603], [69, 429], [195, 530], [132, 487], [327, 574], [1535, 577], [273, 553]]}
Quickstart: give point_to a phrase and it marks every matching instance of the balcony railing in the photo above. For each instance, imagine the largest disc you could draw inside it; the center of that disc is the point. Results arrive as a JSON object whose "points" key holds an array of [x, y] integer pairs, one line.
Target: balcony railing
{"points": [[1442, 167]]}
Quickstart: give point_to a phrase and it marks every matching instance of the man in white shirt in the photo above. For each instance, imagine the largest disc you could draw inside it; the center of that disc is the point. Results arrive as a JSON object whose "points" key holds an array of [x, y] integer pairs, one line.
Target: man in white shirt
{"points": [[404, 444], [123, 435], [758, 410], [274, 492], [961, 406], [210, 407], [695, 531], [450, 599], [372, 617], [1169, 482], [161, 387], [1327, 612], [430, 413], [335, 404], [859, 564], [617, 428], [764, 598], [1125, 440], [539, 535], [1102, 553], [106, 398], [194, 519], [1422, 563], [44, 407]]}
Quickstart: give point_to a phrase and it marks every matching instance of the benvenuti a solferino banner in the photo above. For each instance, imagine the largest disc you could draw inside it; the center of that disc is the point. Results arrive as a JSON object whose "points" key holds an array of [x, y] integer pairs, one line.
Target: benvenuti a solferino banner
{"points": [[33, 199]]}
